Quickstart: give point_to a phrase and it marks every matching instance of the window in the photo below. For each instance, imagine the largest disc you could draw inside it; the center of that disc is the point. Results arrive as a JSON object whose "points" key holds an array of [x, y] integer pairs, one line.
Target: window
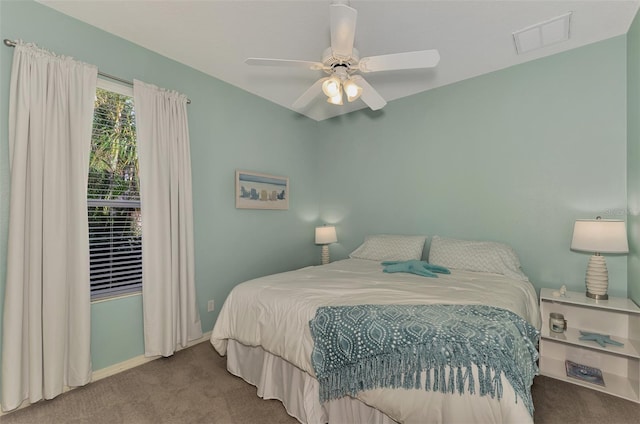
{"points": [[113, 196]]}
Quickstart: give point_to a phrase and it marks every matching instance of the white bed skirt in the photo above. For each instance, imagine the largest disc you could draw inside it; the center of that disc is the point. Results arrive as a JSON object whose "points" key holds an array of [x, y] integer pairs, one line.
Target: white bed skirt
{"points": [[276, 378]]}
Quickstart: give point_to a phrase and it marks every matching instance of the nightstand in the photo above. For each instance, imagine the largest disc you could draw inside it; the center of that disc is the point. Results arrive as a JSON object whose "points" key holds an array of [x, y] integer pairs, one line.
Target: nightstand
{"points": [[617, 317]]}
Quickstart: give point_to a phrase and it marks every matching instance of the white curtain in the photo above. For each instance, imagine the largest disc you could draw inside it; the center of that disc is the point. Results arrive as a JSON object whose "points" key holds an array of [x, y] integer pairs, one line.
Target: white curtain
{"points": [[171, 317], [47, 309]]}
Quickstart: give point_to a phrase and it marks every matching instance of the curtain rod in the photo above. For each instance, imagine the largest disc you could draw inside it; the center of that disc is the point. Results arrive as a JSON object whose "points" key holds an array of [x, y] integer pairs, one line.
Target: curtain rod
{"points": [[10, 43]]}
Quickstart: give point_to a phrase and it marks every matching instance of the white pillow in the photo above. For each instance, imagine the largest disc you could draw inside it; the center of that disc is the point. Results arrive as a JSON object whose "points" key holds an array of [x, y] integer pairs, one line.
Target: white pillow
{"points": [[385, 247], [479, 256]]}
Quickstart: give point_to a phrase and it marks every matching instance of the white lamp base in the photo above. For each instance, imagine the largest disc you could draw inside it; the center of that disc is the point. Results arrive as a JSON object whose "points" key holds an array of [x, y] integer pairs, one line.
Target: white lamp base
{"points": [[597, 278], [325, 254]]}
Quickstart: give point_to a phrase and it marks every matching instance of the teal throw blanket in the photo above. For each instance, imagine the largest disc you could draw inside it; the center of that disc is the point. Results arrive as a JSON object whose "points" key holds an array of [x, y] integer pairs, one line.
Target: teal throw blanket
{"points": [[415, 267], [363, 347]]}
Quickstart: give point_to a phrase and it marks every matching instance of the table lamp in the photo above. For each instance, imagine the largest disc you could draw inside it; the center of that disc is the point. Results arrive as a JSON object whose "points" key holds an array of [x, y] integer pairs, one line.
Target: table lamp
{"points": [[326, 235], [599, 236]]}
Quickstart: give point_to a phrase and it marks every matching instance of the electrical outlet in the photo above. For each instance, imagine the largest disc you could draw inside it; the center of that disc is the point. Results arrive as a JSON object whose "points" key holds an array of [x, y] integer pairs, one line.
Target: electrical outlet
{"points": [[211, 306]]}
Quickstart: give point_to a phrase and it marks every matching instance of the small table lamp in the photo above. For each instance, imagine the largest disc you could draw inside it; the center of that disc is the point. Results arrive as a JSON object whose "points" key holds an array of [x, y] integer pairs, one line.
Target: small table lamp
{"points": [[326, 235], [599, 236]]}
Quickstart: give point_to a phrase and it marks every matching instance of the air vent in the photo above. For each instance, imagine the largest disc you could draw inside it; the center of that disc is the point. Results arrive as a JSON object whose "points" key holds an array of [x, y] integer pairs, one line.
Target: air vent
{"points": [[552, 31]]}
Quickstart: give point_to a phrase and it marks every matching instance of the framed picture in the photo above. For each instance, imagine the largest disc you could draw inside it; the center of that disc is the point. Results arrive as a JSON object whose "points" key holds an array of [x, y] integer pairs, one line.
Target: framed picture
{"points": [[261, 191]]}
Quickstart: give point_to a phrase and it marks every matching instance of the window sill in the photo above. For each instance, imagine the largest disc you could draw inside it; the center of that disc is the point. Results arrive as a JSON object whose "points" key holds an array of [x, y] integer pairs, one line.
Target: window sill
{"points": [[117, 297]]}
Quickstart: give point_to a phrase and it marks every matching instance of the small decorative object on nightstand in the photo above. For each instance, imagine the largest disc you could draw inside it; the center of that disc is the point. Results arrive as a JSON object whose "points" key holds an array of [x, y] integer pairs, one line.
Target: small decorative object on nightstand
{"points": [[584, 373], [561, 292], [557, 323], [601, 339], [326, 235], [576, 355], [599, 236]]}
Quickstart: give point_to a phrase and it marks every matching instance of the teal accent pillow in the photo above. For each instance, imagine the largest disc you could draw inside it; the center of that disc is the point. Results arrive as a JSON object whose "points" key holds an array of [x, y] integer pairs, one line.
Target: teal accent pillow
{"points": [[415, 267]]}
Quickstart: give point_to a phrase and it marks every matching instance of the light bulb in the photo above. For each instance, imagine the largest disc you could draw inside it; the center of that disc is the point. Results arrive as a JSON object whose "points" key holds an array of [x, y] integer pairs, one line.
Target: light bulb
{"points": [[336, 100], [331, 87], [352, 90]]}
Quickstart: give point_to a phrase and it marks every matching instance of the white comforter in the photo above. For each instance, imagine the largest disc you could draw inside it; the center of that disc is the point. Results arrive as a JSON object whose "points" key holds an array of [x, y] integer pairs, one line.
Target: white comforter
{"points": [[274, 312]]}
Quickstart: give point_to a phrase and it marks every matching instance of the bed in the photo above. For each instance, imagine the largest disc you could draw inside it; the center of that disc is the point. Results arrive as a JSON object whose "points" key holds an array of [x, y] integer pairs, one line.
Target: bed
{"points": [[264, 329]]}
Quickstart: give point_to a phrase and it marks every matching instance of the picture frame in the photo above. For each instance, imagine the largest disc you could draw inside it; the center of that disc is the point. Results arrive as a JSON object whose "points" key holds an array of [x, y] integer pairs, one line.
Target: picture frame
{"points": [[255, 190]]}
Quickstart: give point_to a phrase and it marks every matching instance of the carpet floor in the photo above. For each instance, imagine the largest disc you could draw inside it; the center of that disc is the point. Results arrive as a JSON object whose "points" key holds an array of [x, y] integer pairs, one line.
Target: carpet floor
{"points": [[193, 386]]}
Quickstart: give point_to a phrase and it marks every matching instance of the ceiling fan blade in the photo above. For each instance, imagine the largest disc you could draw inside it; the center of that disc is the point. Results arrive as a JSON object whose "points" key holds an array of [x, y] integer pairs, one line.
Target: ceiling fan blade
{"points": [[311, 93], [343, 29], [259, 61], [392, 62], [369, 95]]}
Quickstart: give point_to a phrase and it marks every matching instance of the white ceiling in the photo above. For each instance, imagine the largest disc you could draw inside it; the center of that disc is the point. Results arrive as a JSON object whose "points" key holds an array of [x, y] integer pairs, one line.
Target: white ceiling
{"points": [[215, 37]]}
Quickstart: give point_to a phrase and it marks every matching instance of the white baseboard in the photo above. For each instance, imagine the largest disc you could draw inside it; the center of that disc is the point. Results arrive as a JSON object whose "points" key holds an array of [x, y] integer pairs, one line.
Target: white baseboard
{"points": [[119, 367]]}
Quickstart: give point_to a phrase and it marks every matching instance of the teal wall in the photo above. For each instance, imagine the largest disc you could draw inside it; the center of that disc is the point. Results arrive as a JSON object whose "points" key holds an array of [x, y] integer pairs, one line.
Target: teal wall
{"points": [[633, 158], [513, 156], [229, 129]]}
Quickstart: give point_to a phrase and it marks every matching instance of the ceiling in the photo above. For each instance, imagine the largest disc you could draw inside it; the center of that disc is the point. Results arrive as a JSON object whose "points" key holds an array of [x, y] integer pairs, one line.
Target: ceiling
{"points": [[215, 37]]}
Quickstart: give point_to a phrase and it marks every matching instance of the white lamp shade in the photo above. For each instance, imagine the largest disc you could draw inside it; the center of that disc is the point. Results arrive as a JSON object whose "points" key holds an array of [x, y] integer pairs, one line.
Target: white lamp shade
{"points": [[331, 87], [336, 100], [326, 234], [352, 90], [600, 236]]}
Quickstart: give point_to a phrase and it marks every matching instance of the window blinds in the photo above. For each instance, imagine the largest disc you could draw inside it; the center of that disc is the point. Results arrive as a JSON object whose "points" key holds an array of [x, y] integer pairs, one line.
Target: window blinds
{"points": [[113, 198]]}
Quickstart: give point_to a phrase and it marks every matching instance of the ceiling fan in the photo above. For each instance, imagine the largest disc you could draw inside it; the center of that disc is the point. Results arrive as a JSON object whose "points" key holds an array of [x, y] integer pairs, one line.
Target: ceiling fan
{"points": [[342, 63]]}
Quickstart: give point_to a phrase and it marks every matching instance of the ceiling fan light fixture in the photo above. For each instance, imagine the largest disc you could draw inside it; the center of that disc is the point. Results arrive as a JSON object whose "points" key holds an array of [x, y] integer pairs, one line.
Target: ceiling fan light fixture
{"points": [[341, 61], [336, 100], [331, 87], [352, 90]]}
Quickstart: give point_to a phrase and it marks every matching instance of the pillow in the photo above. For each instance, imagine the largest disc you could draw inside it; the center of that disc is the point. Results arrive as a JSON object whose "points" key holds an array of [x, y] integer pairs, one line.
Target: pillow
{"points": [[385, 247], [479, 256]]}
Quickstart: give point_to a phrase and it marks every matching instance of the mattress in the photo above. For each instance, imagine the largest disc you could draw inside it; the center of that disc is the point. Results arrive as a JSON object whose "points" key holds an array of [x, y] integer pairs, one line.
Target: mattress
{"points": [[273, 313]]}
